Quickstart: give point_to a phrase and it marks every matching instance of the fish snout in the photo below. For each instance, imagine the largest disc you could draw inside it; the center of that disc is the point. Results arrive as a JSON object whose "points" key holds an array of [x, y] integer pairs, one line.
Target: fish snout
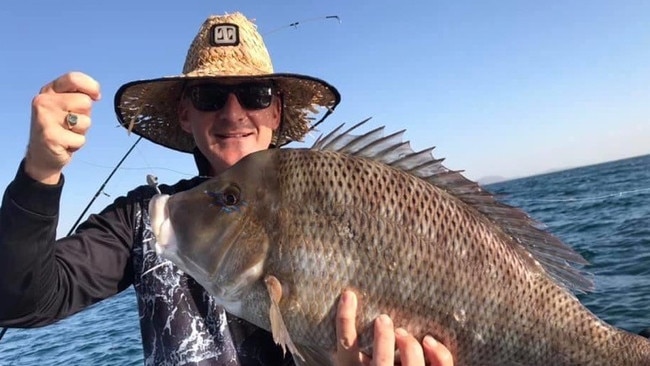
{"points": [[161, 224]]}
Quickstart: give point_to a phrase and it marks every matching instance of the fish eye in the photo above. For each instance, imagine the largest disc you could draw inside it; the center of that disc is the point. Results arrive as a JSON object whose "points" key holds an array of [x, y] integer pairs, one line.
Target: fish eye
{"points": [[230, 195]]}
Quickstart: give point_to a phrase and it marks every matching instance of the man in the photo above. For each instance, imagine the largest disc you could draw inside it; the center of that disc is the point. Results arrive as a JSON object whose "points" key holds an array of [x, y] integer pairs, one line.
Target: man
{"points": [[226, 104]]}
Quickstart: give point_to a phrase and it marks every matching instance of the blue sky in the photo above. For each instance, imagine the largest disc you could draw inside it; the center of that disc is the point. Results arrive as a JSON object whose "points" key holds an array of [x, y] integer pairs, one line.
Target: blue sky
{"points": [[509, 88]]}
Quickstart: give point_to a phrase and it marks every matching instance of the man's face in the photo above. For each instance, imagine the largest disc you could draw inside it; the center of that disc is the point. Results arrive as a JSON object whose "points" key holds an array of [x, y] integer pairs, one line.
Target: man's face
{"points": [[229, 121]]}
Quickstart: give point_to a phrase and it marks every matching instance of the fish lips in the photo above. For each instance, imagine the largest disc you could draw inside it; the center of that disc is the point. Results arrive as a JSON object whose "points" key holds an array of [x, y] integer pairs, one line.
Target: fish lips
{"points": [[161, 225]]}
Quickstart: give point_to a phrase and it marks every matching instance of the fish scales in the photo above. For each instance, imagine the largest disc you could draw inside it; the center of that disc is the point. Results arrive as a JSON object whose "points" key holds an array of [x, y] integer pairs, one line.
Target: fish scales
{"points": [[321, 220], [378, 209]]}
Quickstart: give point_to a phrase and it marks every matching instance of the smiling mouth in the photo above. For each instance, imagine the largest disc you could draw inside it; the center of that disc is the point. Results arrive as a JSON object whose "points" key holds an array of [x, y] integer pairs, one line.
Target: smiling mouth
{"points": [[233, 135]]}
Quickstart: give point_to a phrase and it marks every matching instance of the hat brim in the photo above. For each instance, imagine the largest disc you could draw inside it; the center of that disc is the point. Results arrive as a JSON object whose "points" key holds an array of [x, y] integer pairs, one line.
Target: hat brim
{"points": [[149, 108]]}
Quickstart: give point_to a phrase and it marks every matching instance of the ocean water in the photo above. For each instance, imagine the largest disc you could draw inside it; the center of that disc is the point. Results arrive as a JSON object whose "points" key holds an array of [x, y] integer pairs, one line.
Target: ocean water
{"points": [[603, 211]]}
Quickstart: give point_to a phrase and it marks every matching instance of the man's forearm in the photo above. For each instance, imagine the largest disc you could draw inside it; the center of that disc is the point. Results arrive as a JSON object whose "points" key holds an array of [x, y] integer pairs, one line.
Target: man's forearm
{"points": [[28, 221]]}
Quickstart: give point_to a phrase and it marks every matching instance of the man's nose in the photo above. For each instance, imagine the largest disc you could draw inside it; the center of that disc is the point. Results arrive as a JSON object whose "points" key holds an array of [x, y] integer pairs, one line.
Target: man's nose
{"points": [[232, 109]]}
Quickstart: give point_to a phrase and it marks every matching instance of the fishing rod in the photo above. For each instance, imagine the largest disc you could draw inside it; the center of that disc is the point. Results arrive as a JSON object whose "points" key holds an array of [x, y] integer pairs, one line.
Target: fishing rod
{"points": [[296, 24], [103, 185], [101, 188]]}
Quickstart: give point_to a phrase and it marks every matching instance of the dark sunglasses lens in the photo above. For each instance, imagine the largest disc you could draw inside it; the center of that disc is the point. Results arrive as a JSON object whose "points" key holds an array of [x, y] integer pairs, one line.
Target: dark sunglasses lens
{"points": [[254, 96], [208, 98], [212, 97]]}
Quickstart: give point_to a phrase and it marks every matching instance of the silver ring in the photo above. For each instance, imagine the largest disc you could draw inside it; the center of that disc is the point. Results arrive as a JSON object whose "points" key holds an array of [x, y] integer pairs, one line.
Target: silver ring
{"points": [[71, 119]]}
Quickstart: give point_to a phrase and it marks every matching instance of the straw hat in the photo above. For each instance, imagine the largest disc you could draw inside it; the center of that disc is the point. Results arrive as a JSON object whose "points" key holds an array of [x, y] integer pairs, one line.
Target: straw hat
{"points": [[226, 47]]}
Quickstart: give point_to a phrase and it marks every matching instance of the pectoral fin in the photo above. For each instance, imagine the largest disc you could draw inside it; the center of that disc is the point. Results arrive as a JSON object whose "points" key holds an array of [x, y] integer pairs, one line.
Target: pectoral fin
{"points": [[313, 357], [278, 328]]}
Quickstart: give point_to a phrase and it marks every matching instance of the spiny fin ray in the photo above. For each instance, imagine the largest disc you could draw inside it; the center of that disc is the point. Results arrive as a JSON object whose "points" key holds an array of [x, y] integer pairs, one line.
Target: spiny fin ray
{"points": [[528, 238]]}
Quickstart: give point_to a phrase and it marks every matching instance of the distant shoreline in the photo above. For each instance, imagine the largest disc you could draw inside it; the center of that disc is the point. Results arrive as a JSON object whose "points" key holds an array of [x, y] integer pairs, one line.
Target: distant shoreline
{"points": [[493, 179]]}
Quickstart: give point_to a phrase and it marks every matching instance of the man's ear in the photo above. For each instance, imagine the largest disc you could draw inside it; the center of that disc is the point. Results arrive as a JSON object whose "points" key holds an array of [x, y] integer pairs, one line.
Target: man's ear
{"points": [[183, 116], [277, 113]]}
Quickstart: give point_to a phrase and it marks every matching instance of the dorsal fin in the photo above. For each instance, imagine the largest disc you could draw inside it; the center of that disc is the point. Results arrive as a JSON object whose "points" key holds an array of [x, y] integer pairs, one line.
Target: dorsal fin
{"points": [[556, 258]]}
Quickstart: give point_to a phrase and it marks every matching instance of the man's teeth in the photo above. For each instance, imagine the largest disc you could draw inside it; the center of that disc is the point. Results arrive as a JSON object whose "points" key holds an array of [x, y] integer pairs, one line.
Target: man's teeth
{"points": [[235, 135]]}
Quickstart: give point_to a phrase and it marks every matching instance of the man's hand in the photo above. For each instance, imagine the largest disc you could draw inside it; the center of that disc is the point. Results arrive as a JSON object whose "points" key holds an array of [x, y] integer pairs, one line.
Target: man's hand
{"points": [[412, 353], [52, 141]]}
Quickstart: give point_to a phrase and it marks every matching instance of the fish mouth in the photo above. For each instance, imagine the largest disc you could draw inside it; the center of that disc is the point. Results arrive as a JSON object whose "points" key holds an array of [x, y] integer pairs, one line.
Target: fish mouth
{"points": [[166, 242], [161, 225], [168, 245]]}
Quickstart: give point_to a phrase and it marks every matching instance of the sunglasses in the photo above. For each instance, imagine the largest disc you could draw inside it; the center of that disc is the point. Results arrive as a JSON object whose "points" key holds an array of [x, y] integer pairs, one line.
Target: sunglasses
{"points": [[212, 97]]}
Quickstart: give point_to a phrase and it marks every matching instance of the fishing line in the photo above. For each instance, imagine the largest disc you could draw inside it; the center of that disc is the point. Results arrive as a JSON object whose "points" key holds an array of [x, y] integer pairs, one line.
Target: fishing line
{"points": [[138, 168], [149, 177], [144, 158]]}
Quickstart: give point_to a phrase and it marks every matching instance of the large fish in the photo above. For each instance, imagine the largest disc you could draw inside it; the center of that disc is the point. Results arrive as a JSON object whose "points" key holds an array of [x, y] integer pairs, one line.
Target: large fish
{"points": [[277, 237]]}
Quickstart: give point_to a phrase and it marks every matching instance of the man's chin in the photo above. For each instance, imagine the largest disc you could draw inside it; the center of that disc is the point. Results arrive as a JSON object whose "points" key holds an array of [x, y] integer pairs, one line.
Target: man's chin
{"points": [[225, 158]]}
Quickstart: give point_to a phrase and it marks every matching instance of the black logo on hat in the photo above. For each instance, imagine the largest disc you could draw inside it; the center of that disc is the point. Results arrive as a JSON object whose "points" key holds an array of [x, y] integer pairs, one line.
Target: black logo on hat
{"points": [[224, 34]]}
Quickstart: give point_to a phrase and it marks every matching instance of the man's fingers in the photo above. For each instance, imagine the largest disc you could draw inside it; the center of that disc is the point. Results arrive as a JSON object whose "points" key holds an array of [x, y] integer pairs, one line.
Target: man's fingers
{"points": [[73, 141], [436, 353], [74, 82], [346, 331], [70, 102], [80, 123], [53, 137], [49, 110], [410, 350], [383, 347], [77, 103]]}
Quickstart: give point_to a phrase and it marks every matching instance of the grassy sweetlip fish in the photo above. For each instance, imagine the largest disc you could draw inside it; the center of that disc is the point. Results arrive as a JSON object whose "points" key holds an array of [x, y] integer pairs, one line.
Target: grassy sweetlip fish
{"points": [[279, 235]]}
